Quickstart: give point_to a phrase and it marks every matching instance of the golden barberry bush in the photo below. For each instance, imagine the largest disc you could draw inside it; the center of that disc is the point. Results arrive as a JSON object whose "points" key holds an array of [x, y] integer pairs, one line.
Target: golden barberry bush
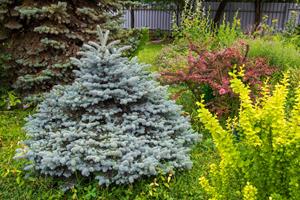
{"points": [[259, 149]]}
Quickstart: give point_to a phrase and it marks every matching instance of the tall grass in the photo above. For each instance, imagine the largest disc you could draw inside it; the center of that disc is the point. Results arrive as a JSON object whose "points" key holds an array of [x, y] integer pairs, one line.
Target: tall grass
{"points": [[284, 56]]}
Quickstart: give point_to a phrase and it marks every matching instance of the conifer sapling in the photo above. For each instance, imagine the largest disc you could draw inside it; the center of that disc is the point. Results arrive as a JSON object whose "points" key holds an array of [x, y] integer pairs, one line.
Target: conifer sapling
{"points": [[113, 123]]}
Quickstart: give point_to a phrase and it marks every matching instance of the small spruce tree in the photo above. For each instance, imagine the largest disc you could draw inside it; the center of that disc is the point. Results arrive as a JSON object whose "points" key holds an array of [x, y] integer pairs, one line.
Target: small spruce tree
{"points": [[113, 123]]}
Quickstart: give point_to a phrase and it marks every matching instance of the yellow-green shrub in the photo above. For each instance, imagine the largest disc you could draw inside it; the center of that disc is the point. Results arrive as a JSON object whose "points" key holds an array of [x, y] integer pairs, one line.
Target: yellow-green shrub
{"points": [[259, 149]]}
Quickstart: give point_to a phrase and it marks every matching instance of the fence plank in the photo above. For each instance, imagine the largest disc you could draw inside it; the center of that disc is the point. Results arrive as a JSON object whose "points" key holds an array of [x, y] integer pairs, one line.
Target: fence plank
{"points": [[158, 18]]}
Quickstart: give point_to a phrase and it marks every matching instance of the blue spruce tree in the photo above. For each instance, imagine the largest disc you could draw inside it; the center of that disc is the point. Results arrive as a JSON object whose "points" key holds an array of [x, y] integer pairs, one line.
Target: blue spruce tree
{"points": [[113, 123]]}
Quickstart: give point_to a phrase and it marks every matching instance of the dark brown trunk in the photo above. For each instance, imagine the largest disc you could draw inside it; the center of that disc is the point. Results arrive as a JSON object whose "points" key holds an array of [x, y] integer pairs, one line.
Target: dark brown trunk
{"points": [[220, 12], [257, 13]]}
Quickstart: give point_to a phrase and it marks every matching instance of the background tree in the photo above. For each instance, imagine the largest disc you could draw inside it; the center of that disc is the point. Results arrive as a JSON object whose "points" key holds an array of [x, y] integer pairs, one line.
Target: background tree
{"points": [[39, 37]]}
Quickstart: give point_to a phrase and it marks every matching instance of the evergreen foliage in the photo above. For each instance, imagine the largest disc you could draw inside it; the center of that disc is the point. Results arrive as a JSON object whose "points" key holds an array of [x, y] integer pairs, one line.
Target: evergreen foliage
{"points": [[41, 36], [259, 150], [113, 122]]}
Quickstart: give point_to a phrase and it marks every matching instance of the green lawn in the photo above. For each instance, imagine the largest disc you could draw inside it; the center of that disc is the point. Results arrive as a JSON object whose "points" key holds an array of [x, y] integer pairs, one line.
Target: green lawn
{"points": [[149, 53], [14, 184]]}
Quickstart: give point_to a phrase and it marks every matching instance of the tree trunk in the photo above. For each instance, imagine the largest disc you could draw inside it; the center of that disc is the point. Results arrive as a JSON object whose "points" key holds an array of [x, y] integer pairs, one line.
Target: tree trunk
{"points": [[220, 12], [178, 14], [257, 14]]}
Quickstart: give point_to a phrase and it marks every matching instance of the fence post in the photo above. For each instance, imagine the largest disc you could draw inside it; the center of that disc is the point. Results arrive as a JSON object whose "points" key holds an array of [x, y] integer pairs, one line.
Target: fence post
{"points": [[132, 17], [285, 16]]}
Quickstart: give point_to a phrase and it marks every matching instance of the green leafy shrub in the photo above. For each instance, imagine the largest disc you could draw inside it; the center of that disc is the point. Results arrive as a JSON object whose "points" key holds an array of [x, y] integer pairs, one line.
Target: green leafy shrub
{"points": [[9, 100], [197, 27], [227, 33], [293, 37], [290, 28], [296, 36], [259, 150], [291, 32], [159, 34], [265, 29]]}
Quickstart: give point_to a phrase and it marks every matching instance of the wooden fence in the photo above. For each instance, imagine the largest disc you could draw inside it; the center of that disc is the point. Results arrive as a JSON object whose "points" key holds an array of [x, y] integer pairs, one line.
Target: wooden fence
{"points": [[162, 18]]}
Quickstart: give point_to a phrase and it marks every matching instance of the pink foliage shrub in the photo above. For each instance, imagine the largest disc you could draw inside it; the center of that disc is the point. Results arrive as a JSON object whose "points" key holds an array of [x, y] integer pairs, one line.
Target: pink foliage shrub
{"points": [[208, 73]]}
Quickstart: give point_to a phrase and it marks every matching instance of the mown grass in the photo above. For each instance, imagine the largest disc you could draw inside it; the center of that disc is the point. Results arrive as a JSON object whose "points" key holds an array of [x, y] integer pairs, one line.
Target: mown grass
{"points": [[149, 53], [15, 185]]}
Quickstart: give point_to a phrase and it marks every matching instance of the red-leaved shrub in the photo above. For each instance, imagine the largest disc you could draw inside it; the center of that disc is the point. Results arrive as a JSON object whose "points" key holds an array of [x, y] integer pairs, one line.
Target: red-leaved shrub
{"points": [[208, 73]]}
